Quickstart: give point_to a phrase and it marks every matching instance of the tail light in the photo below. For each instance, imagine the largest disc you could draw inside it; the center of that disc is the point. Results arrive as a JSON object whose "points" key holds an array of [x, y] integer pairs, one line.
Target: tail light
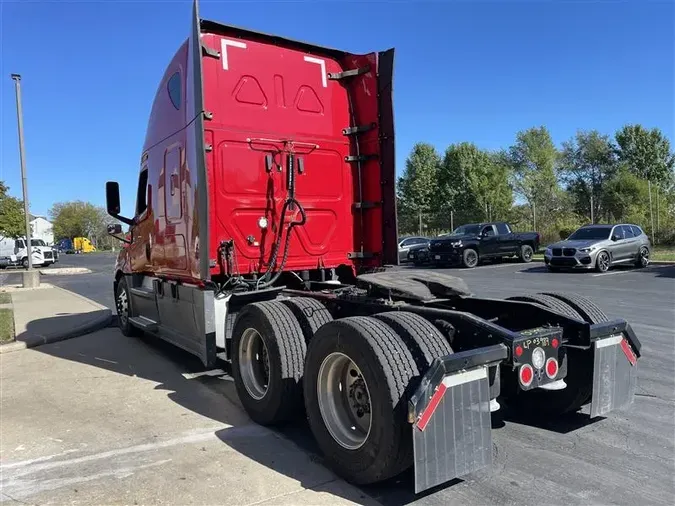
{"points": [[551, 368], [526, 374]]}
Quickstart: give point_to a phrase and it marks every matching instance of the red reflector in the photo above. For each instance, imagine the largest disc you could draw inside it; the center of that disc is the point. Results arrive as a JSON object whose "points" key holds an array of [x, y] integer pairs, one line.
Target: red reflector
{"points": [[433, 404], [526, 374], [628, 352], [519, 351], [555, 343], [551, 368]]}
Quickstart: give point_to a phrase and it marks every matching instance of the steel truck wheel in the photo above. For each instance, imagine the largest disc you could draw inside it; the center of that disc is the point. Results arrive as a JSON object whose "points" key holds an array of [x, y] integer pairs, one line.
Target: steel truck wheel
{"points": [[358, 375], [24, 263], [602, 263], [122, 303], [526, 253], [268, 353], [470, 258]]}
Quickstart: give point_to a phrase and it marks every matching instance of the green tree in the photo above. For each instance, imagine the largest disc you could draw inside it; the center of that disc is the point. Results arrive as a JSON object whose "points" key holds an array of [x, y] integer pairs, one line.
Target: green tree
{"points": [[417, 186], [533, 159], [646, 153], [76, 219], [473, 183], [625, 197], [587, 162], [12, 217]]}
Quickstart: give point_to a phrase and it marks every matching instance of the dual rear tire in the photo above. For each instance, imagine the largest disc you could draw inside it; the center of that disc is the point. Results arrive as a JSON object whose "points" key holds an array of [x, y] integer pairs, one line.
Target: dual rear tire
{"points": [[355, 376]]}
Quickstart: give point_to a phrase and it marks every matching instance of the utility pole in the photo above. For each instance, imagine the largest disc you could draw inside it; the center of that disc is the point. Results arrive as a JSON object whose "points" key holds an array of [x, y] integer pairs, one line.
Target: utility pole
{"points": [[534, 216], [30, 278], [651, 213], [592, 211], [658, 214], [452, 220]]}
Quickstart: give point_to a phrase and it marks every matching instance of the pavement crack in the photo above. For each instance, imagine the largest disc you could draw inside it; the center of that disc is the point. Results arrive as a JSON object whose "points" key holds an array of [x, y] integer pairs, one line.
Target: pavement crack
{"points": [[313, 487], [13, 499]]}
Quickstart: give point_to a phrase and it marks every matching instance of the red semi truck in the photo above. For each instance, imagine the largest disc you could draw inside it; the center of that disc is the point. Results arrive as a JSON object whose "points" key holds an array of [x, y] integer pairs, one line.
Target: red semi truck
{"points": [[265, 233]]}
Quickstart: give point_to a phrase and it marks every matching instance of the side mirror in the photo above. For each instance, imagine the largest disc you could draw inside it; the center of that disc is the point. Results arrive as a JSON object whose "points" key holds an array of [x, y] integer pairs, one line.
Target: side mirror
{"points": [[112, 200], [112, 197], [615, 238], [115, 229]]}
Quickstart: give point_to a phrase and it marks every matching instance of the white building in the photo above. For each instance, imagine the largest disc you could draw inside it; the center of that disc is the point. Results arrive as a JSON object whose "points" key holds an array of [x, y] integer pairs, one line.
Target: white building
{"points": [[41, 228]]}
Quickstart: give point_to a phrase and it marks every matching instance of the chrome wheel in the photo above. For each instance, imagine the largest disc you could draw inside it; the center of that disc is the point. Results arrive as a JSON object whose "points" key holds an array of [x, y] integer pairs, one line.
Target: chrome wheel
{"points": [[644, 256], [603, 262], [344, 401], [527, 254], [254, 364], [123, 306]]}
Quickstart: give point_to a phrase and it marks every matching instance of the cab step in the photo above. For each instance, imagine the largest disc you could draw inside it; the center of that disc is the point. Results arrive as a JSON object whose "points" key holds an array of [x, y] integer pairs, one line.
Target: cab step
{"points": [[144, 323]]}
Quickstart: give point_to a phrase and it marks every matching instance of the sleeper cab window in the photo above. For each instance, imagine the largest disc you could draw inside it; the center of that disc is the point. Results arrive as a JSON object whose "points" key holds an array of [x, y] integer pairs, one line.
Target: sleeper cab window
{"points": [[174, 88]]}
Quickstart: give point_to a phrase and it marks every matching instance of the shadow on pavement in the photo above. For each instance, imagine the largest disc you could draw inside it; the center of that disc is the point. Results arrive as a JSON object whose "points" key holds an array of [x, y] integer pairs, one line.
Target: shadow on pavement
{"points": [[666, 272], [563, 424], [159, 362], [64, 326]]}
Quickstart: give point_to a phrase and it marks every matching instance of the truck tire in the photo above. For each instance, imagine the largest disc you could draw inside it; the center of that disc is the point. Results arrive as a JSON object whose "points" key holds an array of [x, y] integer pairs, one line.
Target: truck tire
{"points": [[550, 303], [469, 258], [526, 253], [579, 377], [580, 364], [589, 311], [422, 338], [24, 262], [310, 313], [268, 354], [122, 301], [363, 432]]}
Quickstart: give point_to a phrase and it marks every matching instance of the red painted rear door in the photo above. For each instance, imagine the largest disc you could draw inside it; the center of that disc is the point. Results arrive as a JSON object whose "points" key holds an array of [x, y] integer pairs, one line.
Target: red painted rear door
{"points": [[268, 100]]}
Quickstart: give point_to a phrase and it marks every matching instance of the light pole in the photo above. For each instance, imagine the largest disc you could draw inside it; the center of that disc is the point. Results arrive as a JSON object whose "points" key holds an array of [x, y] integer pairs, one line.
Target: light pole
{"points": [[29, 279]]}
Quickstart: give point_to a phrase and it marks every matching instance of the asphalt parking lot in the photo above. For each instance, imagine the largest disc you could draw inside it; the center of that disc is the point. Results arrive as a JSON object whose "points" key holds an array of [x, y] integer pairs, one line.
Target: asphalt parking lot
{"points": [[626, 458]]}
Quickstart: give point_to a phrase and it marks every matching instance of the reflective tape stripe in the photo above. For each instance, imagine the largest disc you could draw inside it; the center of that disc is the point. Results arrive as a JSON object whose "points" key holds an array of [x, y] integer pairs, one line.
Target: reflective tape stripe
{"points": [[609, 341], [465, 377], [450, 381], [628, 352]]}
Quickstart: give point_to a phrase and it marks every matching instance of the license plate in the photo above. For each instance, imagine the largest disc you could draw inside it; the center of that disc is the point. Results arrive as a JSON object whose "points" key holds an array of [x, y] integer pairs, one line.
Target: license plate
{"points": [[437, 257]]}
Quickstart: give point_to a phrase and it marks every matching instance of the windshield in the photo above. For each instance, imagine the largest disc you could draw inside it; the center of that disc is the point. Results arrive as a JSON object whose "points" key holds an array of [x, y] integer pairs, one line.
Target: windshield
{"points": [[466, 230], [37, 242], [584, 234]]}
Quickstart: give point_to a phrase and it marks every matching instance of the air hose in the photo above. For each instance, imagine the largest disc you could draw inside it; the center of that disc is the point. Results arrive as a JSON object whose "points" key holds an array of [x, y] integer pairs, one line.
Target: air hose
{"points": [[264, 281]]}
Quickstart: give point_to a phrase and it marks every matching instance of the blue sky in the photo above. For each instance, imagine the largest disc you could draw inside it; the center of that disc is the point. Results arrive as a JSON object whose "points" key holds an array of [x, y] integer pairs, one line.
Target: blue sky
{"points": [[476, 71]]}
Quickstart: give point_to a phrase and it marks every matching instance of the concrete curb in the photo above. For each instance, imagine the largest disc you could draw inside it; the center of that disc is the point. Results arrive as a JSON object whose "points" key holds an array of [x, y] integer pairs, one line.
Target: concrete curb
{"points": [[63, 271], [102, 320]]}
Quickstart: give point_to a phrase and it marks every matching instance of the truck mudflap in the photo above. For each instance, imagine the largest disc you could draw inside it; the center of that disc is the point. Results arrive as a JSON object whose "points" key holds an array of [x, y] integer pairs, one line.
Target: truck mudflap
{"points": [[450, 413], [614, 372]]}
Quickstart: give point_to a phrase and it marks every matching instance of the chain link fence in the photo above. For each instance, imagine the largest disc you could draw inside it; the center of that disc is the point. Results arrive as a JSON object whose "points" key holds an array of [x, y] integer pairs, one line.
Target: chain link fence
{"points": [[658, 224]]}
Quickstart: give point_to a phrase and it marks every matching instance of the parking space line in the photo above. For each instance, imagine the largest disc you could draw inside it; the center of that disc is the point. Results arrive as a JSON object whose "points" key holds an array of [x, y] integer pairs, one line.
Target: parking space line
{"points": [[213, 372], [610, 273]]}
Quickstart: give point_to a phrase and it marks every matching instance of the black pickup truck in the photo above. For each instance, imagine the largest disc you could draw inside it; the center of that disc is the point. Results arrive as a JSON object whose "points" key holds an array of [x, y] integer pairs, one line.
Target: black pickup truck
{"points": [[469, 244]]}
